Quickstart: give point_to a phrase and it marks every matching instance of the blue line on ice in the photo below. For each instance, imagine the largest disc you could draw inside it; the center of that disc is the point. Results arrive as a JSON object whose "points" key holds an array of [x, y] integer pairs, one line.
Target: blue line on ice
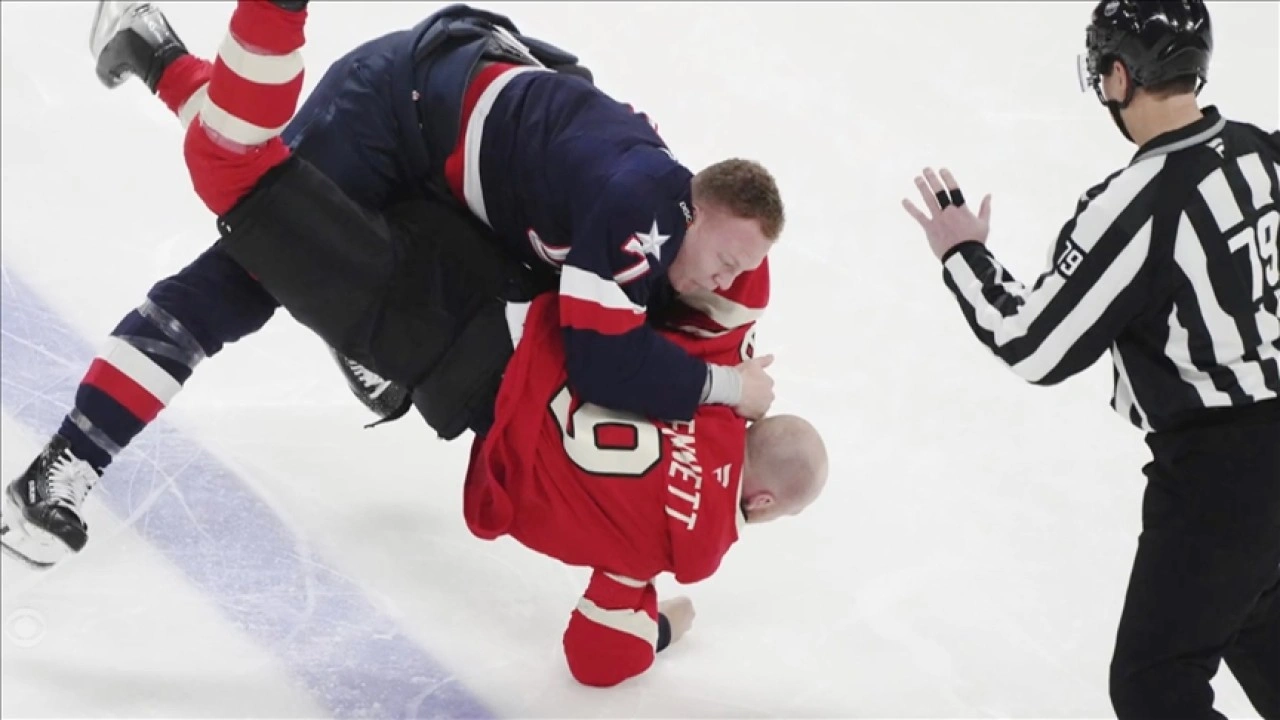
{"points": [[350, 656]]}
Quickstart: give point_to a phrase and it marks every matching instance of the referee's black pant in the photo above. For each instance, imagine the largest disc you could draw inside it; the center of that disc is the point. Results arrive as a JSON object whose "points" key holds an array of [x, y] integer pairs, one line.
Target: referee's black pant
{"points": [[1205, 585]]}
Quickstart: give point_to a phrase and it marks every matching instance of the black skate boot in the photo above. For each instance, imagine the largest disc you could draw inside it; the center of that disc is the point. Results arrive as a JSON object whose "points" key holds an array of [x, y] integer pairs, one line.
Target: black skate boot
{"points": [[132, 38], [40, 523], [384, 398]]}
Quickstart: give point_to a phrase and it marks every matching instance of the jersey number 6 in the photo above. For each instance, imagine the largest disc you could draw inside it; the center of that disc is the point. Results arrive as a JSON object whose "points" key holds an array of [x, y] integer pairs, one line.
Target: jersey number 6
{"points": [[605, 442]]}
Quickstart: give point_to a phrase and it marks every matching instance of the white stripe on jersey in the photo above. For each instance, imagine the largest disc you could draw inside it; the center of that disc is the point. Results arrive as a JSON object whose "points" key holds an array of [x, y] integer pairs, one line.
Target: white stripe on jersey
{"points": [[1269, 325], [721, 310], [987, 317], [1256, 175], [1125, 401], [1178, 350], [1098, 217], [1115, 280], [1190, 256], [632, 622], [701, 333], [1228, 345], [627, 582], [1222, 204], [585, 285], [473, 136]]}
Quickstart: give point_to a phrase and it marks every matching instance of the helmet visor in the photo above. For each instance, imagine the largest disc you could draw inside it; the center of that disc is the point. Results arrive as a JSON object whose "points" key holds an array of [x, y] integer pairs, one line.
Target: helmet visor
{"points": [[1087, 75]]}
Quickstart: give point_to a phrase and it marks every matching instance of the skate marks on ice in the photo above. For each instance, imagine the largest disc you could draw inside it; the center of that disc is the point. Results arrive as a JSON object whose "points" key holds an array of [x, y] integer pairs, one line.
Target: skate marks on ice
{"points": [[352, 658]]}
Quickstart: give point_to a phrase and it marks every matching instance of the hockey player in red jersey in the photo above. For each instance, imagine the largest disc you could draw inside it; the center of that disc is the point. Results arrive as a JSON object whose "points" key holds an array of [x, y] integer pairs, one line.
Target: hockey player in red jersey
{"points": [[629, 497]]}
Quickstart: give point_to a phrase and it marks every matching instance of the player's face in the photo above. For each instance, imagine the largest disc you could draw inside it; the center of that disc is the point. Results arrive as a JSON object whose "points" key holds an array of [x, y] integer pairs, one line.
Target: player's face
{"points": [[718, 248]]}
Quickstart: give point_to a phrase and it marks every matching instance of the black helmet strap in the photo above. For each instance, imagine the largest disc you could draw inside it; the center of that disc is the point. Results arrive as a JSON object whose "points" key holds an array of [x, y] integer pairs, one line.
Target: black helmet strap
{"points": [[1115, 106]]}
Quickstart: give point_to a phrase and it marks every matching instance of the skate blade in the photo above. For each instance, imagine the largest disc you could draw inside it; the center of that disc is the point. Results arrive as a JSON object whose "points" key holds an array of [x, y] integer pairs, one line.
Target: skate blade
{"points": [[28, 562], [27, 543]]}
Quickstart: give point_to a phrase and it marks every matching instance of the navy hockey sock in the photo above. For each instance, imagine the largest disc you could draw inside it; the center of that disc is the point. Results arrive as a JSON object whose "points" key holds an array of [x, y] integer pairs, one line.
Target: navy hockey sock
{"points": [[153, 351], [135, 375]]}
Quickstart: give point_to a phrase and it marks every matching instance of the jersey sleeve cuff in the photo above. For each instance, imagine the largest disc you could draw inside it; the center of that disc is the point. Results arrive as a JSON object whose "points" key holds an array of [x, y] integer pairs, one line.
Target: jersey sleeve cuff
{"points": [[963, 250], [723, 386]]}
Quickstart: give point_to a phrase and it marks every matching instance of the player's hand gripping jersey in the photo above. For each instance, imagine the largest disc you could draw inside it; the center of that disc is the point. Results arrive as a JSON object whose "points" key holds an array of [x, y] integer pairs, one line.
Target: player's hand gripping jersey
{"points": [[624, 495]]}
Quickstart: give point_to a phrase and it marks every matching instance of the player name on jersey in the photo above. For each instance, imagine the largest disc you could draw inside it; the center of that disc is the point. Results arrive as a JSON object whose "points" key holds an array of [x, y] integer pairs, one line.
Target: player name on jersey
{"points": [[684, 484]]}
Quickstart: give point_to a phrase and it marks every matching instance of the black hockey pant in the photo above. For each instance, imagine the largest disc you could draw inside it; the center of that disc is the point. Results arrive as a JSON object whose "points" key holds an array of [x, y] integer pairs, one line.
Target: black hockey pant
{"points": [[416, 294], [1205, 585]]}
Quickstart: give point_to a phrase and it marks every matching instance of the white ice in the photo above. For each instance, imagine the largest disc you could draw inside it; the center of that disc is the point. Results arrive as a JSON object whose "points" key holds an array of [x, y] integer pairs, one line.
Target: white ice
{"points": [[970, 555]]}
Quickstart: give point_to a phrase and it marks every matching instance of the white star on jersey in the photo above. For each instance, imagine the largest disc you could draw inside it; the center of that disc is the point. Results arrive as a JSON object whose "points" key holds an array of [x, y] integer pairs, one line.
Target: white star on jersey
{"points": [[649, 243], [642, 245]]}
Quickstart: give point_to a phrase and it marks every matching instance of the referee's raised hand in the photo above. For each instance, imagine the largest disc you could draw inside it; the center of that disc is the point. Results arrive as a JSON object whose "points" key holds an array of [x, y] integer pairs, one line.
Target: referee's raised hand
{"points": [[950, 220]]}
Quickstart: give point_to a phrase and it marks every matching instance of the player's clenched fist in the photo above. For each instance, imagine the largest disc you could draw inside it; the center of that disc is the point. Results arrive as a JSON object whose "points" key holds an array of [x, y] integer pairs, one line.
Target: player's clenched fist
{"points": [[757, 388], [679, 612]]}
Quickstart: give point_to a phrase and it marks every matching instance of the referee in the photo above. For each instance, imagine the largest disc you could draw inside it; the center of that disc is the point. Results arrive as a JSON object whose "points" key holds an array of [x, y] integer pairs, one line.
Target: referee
{"points": [[1172, 262]]}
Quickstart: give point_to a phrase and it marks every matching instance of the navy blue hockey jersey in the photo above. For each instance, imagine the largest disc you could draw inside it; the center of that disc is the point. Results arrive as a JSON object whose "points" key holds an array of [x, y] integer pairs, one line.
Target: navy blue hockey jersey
{"points": [[569, 177]]}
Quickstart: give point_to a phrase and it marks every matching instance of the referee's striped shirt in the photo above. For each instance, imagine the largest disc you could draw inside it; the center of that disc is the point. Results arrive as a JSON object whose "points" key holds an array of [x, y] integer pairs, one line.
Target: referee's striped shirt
{"points": [[1172, 262]]}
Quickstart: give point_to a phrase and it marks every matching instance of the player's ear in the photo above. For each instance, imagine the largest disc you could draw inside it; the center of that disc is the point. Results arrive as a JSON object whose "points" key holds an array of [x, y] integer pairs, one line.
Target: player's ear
{"points": [[760, 500], [1121, 72]]}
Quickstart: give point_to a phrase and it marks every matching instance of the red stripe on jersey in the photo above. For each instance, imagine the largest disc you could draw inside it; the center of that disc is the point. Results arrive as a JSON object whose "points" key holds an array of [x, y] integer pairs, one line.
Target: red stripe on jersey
{"points": [[268, 29], [121, 388], [454, 165], [586, 315], [267, 106]]}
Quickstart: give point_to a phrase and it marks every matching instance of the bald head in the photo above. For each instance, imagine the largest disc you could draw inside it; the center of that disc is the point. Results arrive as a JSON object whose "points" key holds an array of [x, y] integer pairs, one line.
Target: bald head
{"points": [[786, 467]]}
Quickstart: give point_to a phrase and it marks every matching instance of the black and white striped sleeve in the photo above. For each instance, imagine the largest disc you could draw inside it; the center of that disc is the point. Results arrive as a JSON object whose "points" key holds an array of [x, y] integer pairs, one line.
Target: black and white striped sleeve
{"points": [[1099, 279]]}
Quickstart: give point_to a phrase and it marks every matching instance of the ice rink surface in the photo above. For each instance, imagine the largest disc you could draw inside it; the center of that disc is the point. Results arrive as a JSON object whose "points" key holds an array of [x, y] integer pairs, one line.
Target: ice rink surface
{"points": [[258, 553]]}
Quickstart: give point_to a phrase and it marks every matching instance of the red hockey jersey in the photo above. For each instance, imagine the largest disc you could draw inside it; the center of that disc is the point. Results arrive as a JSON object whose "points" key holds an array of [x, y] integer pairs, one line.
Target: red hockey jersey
{"points": [[626, 496]]}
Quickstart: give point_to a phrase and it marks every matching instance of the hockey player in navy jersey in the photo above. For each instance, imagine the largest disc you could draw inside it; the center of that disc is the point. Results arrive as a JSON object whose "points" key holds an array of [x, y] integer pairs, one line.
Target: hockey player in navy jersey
{"points": [[570, 178], [461, 108]]}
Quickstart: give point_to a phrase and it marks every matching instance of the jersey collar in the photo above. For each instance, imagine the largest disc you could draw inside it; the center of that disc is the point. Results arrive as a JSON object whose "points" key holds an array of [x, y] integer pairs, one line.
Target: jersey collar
{"points": [[1196, 133]]}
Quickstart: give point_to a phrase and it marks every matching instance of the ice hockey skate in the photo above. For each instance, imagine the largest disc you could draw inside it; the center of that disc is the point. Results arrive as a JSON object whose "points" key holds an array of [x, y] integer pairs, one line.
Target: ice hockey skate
{"points": [[384, 398], [132, 39], [41, 521]]}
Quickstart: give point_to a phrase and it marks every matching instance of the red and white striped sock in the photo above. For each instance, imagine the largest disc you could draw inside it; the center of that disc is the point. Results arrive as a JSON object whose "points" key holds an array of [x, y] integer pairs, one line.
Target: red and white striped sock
{"points": [[184, 86], [252, 93]]}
